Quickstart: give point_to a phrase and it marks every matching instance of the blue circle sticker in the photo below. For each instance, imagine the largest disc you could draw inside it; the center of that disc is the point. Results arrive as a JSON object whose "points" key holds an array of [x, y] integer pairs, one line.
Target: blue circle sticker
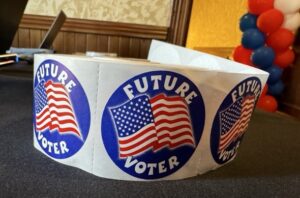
{"points": [[152, 124], [61, 110], [232, 119]]}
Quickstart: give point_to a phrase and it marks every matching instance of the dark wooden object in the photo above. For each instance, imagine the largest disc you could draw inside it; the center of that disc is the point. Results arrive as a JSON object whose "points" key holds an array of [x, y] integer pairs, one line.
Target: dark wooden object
{"points": [[125, 39]]}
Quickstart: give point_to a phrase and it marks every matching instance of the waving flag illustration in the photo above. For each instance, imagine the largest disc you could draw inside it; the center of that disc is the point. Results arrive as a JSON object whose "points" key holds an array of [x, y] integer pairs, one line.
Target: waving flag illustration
{"points": [[234, 120], [146, 123], [54, 110]]}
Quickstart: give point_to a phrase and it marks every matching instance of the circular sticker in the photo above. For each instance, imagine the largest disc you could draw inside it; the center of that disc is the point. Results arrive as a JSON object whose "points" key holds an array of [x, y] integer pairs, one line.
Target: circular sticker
{"points": [[152, 124], [232, 119], [61, 110]]}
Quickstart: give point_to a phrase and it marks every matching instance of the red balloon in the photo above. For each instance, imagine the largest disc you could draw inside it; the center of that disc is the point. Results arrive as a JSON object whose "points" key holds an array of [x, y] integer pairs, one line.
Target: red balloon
{"points": [[270, 21], [267, 103], [281, 39], [284, 59], [259, 6], [242, 55]]}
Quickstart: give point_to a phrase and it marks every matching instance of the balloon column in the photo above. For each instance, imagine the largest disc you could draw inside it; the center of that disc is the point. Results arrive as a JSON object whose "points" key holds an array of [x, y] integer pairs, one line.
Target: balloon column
{"points": [[268, 34]]}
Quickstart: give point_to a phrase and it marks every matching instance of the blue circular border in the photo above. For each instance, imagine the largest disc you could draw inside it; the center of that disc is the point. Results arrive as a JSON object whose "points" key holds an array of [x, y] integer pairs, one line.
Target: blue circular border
{"points": [[215, 132], [109, 136], [81, 110]]}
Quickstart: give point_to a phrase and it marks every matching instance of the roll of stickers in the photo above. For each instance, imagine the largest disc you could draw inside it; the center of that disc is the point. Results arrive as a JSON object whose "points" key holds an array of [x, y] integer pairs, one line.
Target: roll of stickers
{"points": [[180, 114]]}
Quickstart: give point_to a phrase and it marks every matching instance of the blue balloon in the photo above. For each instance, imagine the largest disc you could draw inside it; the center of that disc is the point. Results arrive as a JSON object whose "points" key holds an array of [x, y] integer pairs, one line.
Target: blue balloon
{"points": [[263, 57], [275, 74], [247, 21], [253, 39], [276, 89]]}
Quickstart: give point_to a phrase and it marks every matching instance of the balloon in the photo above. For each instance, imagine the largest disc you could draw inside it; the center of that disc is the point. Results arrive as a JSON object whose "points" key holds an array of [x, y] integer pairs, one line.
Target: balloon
{"points": [[276, 88], [284, 59], [247, 21], [281, 39], [253, 39], [292, 21], [263, 57], [275, 74], [259, 6], [270, 21], [267, 103], [287, 6], [242, 55]]}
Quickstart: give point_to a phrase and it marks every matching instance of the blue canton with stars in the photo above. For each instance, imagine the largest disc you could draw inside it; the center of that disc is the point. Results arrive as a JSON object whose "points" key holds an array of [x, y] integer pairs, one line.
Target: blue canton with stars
{"points": [[231, 115], [133, 115], [40, 97]]}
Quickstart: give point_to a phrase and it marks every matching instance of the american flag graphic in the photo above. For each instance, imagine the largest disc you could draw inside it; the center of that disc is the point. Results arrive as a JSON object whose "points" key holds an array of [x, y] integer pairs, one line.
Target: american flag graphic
{"points": [[54, 110], [146, 123], [234, 120]]}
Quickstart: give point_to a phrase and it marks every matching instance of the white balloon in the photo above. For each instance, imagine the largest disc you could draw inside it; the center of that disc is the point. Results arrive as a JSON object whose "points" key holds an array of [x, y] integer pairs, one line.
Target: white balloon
{"points": [[292, 21], [287, 6]]}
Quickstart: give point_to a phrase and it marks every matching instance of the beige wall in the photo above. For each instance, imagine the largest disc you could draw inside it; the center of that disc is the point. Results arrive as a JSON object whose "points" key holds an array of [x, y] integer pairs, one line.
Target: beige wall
{"points": [[215, 23], [150, 12]]}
